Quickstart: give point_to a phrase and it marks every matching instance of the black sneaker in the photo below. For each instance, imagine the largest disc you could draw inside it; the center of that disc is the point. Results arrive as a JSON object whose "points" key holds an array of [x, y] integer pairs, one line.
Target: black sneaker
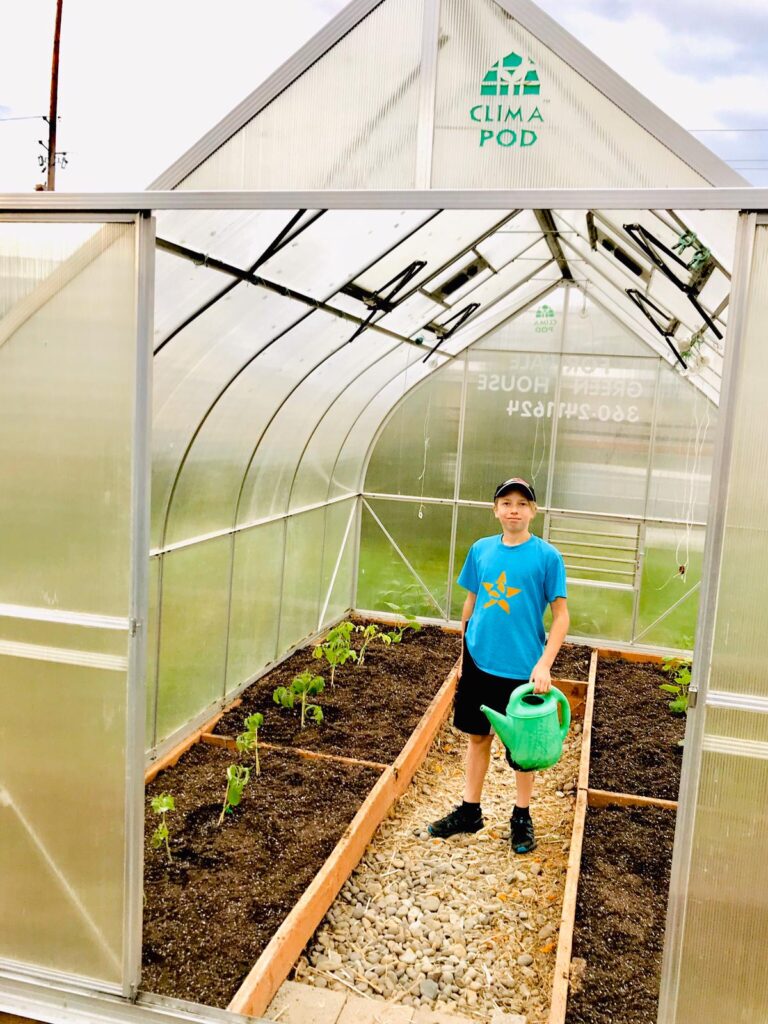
{"points": [[522, 837], [459, 820]]}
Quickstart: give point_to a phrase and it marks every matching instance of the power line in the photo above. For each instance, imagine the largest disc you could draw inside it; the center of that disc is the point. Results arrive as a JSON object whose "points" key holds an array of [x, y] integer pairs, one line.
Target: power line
{"points": [[30, 117]]}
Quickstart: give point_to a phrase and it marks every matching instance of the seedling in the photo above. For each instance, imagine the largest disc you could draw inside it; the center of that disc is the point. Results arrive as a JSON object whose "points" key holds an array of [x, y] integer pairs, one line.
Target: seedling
{"points": [[370, 632], [679, 671], [237, 780], [395, 635], [303, 686], [337, 648], [248, 742], [162, 805]]}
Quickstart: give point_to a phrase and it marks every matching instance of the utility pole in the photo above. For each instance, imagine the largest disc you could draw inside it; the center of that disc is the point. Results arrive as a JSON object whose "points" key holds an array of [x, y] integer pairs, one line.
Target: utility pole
{"points": [[51, 185]]}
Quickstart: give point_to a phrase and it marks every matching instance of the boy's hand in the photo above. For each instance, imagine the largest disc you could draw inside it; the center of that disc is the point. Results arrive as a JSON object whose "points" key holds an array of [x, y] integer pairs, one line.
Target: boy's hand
{"points": [[541, 678]]}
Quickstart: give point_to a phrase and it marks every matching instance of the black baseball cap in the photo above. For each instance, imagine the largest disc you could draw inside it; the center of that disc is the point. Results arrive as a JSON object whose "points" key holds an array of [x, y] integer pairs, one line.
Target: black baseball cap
{"points": [[515, 484]]}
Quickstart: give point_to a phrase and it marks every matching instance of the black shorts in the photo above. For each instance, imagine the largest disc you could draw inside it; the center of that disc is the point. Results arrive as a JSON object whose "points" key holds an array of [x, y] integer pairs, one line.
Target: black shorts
{"points": [[476, 687]]}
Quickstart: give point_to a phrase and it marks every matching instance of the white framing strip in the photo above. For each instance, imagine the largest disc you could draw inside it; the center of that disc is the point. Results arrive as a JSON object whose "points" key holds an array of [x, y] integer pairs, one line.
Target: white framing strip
{"points": [[32, 614], [64, 656], [743, 199], [737, 701], [427, 92], [740, 748]]}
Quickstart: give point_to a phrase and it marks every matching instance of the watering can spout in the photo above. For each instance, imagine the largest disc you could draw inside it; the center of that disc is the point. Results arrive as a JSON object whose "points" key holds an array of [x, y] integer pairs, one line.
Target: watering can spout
{"points": [[501, 726]]}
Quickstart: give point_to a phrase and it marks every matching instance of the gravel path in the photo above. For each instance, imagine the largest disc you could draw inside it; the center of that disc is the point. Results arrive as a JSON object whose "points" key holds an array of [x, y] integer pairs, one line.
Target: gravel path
{"points": [[460, 925]]}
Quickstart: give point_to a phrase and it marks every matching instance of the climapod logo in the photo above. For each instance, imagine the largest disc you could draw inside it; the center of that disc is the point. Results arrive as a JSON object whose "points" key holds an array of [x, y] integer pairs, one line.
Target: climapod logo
{"points": [[512, 79]]}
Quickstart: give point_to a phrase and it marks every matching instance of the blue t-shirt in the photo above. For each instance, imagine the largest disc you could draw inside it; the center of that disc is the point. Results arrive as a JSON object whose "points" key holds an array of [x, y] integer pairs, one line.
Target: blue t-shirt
{"points": [[514, 584]]}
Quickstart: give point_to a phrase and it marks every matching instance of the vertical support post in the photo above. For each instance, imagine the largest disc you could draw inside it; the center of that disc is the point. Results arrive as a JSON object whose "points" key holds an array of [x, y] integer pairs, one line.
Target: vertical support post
{"points": [[427, 93], [54, 104], [456, 489], [137, 643], [356, 561], [705, 627], [556, 408]]}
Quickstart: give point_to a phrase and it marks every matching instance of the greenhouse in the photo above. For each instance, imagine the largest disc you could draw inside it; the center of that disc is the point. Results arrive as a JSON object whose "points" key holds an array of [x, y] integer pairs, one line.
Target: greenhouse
{"points": [[276, 392]]}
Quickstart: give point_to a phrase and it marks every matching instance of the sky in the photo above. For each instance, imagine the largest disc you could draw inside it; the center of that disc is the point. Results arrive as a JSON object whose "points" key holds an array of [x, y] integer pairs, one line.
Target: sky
{"points": [[140, 82]]}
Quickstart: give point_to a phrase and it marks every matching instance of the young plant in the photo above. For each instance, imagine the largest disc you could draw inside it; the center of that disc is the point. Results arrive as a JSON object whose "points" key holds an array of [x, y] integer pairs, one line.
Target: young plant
{"points": [[337, 649], [162, 805], [679, 671], [248, 742], [370, 632], [395, 635], [237, 780], [303, 686]]}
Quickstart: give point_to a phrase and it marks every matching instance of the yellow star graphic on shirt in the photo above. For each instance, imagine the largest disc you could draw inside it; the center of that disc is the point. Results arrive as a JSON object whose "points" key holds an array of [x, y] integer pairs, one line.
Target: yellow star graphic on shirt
{"points": [[499, 591]]}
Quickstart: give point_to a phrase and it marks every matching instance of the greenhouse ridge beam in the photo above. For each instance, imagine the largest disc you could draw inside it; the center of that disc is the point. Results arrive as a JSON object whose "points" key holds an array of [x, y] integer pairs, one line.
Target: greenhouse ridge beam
{"points": [[743, 199]]}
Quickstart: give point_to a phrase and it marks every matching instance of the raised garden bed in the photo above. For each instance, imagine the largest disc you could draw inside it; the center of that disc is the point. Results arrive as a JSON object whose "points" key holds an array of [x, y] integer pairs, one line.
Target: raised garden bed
{"points": [[209, 915], [620, 915], [635, 738], [611, 940], [370, 712]]}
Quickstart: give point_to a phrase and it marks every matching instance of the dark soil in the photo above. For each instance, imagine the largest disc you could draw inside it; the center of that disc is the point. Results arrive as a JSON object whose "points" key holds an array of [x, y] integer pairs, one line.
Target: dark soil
{"points": [[572, 662], [370, 712], [620, 915], [209, 915], [634, 734]]}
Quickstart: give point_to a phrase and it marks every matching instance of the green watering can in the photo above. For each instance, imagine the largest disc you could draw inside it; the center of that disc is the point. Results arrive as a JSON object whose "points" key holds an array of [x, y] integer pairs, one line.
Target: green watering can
{"points": [[531, 730]]}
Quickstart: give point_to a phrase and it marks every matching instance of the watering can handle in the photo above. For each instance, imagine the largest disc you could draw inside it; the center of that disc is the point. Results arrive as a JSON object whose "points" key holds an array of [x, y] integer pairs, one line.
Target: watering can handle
{"points": [[558, 695]]}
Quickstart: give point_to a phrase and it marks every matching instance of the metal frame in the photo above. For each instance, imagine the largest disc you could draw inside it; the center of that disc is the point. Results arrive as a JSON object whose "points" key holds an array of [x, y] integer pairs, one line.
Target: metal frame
{"points": [[136, 702], [741, 199], [47, 985], [689, 783], [428, 91]]}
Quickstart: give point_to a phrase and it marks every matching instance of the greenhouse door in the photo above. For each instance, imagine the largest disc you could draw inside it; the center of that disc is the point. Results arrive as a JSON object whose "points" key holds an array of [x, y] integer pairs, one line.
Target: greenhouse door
{"points": [[75, 329]]}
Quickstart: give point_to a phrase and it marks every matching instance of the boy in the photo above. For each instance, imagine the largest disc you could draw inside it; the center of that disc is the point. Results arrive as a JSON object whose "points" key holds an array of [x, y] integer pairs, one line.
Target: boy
{"points": [[516, 575]]}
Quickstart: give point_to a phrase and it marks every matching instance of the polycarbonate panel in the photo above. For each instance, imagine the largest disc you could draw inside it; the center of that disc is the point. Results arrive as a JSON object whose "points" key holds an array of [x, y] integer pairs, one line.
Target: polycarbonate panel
{"points": [[62, 803], [530, 294], [339, 424], [471, 525], [151, 674], [193, 632], [510, 402], [29, 255], [337, 247], [422, 532], [683, 446], [337, 579], [603, 434], [271, 474], [739, 649], [68, 358], [537, 329], [239, 237], [590, 329], [669, 598], [348, 122], [497, 123], [416, 452], [302, 578], [726, 902], [599, 613], [256, 587], [598, 550], [209, 484], [437, 244], [197, 366], [348, 473], [181, 289]]}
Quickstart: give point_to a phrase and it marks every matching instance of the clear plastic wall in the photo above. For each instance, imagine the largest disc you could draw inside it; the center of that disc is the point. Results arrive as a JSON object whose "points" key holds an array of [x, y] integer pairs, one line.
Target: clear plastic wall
{"points": [[68, 358], [617, 444], [723, 891]]}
